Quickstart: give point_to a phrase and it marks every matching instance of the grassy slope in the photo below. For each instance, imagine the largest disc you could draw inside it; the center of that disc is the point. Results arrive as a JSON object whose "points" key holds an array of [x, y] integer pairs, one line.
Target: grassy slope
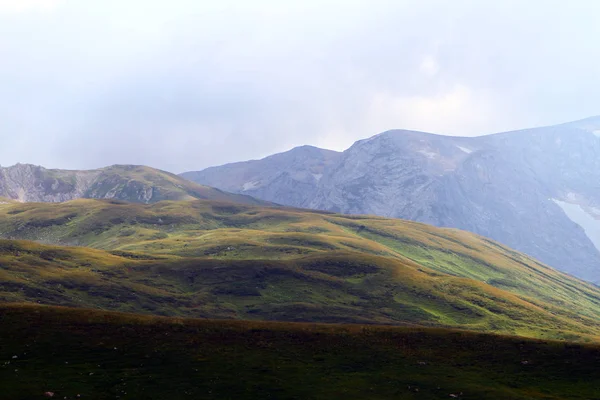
{"points": [[101, 355], [132, 178], [206, 259]]}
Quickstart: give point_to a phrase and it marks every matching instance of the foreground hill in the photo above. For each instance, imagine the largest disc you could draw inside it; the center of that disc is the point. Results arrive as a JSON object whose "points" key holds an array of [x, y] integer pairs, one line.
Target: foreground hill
{"points": [[102, 355], [135, 183], [218, 260], [533, 190]]}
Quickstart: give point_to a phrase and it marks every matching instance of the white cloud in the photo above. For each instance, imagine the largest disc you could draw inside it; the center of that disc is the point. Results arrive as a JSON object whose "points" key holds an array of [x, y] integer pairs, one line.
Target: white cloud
{"points": [[21, 6], [429, 66], [186, 84], [458, 110]]}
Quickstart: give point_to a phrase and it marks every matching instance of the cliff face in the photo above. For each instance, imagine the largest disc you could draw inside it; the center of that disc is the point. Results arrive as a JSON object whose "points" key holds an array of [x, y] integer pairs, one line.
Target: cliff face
{"points": [[30, 183]]}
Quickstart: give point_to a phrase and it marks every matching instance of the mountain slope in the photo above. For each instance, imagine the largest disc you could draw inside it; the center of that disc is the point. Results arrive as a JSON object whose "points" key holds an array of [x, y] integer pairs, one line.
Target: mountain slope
{"points": [[102, 355], [534, 190], [291, 177], [207, 259], [29, 183]]}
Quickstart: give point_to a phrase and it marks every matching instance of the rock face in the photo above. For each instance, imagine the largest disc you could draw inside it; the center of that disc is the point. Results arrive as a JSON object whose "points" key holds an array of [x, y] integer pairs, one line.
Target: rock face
{"points": [[30, 183], [535, 190], [291, 177]]}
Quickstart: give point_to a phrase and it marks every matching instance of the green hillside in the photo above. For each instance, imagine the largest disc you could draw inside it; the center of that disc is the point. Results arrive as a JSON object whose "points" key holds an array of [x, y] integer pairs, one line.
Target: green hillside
{"points": [[146, 184], [219, 260], [99, 355]]}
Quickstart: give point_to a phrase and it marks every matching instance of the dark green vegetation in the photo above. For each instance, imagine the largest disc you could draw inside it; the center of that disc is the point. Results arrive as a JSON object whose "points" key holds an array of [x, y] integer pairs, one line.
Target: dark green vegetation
{"points": [[100, 355], [221, 260]]}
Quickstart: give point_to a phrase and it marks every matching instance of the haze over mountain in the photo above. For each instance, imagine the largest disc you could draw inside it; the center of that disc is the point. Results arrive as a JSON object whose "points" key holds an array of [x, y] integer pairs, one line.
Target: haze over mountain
{"points": [[536, 190], [292, 177], [135, 183], [189, 84]]}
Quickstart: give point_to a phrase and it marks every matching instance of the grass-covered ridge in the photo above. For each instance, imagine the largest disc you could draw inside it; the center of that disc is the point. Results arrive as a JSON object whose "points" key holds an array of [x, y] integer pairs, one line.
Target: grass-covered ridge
{"points": [[222, 260], [103, 355], [150, 185]]}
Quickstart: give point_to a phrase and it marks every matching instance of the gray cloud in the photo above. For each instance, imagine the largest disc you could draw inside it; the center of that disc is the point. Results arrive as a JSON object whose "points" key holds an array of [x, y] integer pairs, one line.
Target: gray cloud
{"points": [[187, 84]]}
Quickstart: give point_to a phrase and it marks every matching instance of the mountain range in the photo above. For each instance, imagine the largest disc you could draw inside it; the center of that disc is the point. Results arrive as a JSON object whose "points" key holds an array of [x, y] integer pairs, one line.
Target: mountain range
{"points": [[104, 274], [535, 190], [134, 183]]}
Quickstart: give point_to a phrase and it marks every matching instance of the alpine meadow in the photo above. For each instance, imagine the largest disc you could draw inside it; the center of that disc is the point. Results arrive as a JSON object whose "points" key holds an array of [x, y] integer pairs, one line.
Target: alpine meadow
{"points": [[224, 261]]}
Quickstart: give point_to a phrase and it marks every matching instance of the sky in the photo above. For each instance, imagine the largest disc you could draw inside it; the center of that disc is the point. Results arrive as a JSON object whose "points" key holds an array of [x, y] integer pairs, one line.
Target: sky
{"points": [[187, 84]]}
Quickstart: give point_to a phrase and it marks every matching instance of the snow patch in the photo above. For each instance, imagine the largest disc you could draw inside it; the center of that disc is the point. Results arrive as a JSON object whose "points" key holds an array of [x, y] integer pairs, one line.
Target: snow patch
{"points": [[428, 154], [468, 151], [588, 222], [250, 185], [317, 177], [596, 132]]}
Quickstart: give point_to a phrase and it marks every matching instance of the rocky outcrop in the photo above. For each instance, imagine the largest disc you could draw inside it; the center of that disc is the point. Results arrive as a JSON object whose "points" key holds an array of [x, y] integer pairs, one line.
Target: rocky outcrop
{"points": [[134, 183], [31, 183]]}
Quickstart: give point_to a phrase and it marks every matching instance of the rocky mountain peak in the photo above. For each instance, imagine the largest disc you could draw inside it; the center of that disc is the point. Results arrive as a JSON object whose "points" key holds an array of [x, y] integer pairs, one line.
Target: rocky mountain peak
{"points": [[439, 154], [535, 190]]}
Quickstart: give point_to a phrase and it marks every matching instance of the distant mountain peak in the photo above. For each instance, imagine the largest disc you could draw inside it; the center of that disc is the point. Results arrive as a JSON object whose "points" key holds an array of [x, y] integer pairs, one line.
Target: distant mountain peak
{"points": [[134, 183], [499, 186], [305, 151]]}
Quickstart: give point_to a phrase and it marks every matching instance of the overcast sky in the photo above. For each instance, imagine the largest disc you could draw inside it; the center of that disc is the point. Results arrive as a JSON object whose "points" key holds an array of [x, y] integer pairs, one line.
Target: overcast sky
{"points": [[186, 84]]}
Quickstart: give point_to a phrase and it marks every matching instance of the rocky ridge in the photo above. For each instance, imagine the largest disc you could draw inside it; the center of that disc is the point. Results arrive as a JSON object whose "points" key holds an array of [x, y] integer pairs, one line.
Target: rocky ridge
{"points": [[134, 183], [535, 190]]}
